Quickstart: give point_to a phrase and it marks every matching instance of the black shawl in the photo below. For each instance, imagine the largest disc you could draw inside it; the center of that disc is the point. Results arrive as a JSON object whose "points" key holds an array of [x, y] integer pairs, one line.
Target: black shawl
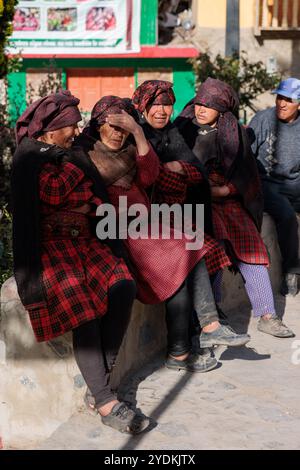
{"points": [[28, 160], [169, 145], [243, 172]]}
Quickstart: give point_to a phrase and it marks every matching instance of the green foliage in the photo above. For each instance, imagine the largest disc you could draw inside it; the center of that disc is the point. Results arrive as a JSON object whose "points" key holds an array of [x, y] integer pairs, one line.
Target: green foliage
{"points": [[6, 256], [249, 79], [52, 84], [7, 147], [7, 9]]}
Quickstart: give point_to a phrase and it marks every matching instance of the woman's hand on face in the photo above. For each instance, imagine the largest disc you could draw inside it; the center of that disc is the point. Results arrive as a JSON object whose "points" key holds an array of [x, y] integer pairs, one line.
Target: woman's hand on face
{"points": [[218, 192], [176, 167], [124, 121], [127, 123]]}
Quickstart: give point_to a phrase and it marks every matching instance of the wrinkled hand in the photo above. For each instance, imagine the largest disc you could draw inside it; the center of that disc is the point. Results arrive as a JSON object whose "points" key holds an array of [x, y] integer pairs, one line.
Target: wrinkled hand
{"points": [[176, 167], [218, 192], [124, 121]]}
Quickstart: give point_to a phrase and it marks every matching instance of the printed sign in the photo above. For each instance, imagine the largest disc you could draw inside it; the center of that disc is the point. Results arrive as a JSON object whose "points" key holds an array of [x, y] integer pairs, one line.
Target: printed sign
{"points": [[76, 27]]}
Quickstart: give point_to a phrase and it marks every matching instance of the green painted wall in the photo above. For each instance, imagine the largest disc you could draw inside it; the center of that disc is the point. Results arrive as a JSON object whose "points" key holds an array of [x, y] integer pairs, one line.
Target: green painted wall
{"points": [[148, 35], [184, 88], [16, 94]]}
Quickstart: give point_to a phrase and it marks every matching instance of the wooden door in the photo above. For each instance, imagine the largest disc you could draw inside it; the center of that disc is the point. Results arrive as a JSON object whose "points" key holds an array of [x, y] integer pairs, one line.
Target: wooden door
{"points": [[89, 85]]}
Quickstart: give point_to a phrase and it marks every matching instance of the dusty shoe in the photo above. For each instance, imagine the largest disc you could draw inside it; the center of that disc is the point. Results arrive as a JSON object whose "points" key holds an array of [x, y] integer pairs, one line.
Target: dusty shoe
{"points": [[274, 326], [195, 362], [125, 420], [223, 335], [289, 285]]}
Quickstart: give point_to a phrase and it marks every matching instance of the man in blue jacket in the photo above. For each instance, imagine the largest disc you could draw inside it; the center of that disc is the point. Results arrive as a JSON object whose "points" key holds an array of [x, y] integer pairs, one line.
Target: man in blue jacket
{"points": [[277, 148]]}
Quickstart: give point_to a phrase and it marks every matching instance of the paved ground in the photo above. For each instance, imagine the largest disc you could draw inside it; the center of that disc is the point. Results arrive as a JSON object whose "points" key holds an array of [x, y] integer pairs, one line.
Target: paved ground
{"points": [[250, 402]]}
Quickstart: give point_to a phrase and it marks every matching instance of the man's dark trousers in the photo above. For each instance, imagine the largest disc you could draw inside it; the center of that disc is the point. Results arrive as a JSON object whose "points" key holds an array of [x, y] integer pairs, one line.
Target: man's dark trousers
{"points": [[282, 201]]}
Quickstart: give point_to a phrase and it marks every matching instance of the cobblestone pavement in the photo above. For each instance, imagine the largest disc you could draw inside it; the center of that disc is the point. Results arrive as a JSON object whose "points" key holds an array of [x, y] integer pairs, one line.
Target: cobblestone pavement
{"points": [[251, 401]]}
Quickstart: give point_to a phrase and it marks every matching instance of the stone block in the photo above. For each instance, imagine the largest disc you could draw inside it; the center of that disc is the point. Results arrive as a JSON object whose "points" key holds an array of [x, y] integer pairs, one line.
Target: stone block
{"points": [[41, 385]]}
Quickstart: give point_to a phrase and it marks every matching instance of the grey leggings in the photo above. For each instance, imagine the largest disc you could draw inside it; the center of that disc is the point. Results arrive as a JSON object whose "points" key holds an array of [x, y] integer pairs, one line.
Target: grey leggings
{"points": [[194, 294]]}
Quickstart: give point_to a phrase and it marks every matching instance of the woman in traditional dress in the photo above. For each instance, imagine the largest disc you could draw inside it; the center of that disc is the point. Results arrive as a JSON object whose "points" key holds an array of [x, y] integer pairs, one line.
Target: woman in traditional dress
{"points": [[164, 269], [210, 127], [67, 279]]}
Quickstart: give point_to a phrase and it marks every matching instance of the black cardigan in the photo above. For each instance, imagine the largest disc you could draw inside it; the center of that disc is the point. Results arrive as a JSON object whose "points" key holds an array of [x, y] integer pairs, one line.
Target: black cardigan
{"points": [[169, 145]]}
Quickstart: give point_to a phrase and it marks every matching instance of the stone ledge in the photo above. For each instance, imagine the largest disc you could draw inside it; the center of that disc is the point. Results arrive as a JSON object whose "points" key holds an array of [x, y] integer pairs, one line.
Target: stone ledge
{"points": [[41, 386], [41, 383]]}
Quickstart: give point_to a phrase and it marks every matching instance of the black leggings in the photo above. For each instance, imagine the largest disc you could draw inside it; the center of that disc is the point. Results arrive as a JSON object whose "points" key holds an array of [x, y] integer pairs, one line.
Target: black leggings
{"points": [[195, 294], [96, 343]]}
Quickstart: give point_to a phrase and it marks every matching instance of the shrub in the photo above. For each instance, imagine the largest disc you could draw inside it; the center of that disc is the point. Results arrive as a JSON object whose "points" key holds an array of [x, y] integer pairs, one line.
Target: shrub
{"points": [[249, 79]]}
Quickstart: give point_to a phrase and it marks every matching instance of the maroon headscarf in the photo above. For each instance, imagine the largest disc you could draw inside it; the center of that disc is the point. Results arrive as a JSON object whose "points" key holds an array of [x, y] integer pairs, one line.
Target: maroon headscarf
{"points": [[109, 105], [153, 92], [220, 96], [48, 114]]}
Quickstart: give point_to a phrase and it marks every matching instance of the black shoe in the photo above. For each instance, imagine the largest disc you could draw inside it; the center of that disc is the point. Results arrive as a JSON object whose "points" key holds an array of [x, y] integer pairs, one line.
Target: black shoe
{"points": [[124, 419], [289, 285], [202, 362]]}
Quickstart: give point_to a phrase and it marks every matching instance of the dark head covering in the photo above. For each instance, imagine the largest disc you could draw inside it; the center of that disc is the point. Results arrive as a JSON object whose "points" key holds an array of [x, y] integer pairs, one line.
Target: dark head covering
{"points": [[48, 114], [107, 105], [153, 92], [220, 96]]}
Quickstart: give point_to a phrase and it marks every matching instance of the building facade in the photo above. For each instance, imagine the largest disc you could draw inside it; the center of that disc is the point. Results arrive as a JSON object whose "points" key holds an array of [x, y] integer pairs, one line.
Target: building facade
{"points": [[94, 75], [269, 31]]}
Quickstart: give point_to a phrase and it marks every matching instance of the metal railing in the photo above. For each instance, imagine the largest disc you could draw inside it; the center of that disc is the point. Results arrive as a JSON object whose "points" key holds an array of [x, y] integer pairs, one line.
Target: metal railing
{"points": [[277, 15]]}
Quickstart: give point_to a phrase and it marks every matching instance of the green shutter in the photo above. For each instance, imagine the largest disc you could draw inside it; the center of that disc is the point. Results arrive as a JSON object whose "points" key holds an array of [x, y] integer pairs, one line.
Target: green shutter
{"points": [[16, 95], [184, 88], [149, 10]]}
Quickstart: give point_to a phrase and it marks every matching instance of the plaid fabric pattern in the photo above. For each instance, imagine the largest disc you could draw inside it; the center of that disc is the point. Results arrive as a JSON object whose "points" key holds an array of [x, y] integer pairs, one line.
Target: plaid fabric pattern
{"points": [[76, 277], [193, 175], [160, 265], [171, 187], [64, 185], [76, 273], [234, 224], [153, 92]]}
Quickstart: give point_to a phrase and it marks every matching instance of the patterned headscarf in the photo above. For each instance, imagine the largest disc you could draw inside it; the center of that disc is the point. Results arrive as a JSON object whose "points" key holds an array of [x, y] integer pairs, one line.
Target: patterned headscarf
{"points": [[48, 114], [153, 92], [109, 104], [220, 96]]}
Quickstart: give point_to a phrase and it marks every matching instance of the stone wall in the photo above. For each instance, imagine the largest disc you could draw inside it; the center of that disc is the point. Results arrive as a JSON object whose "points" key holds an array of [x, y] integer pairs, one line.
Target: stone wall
{"points": [[41, 386]]}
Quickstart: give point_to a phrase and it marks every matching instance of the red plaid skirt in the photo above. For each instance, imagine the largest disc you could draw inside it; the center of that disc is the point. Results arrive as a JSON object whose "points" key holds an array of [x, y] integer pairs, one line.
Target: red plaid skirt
{"points": [[160, 266], [77, 274], [233, 224]]}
